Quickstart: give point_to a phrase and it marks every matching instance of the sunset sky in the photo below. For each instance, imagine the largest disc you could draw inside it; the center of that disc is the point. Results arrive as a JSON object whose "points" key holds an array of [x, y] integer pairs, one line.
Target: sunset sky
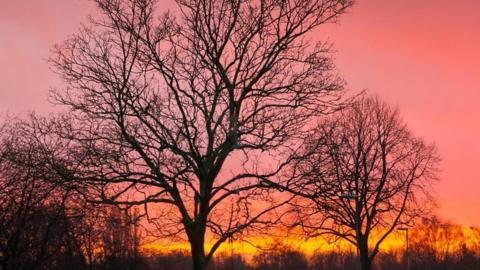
{"points": [[422, 56]]}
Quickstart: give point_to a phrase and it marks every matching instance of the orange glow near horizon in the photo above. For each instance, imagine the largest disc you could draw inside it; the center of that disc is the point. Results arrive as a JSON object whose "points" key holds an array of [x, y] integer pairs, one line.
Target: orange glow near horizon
{"points": [[450, 240], [420, 55], [250, 248]]}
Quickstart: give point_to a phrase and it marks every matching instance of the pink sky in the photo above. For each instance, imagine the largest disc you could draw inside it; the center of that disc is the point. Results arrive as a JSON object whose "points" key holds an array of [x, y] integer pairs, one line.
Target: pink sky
{"points": [[423, 56]]}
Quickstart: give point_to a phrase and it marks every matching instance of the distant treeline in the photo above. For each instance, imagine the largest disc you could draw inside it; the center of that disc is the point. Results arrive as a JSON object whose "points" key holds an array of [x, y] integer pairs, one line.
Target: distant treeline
{"points": [[433, 245]]}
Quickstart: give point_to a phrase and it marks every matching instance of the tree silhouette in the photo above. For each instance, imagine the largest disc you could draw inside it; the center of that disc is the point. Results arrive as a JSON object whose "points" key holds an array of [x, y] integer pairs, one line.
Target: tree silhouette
{"points": [[365, 173], [161, 104], [34, 228]]}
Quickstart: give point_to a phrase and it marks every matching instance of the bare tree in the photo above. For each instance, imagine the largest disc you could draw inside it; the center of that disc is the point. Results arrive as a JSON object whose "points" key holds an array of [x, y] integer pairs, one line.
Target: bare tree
{"points": [[161, 105], [120, 238], [44, 225], [33, 222], [365, 175]]}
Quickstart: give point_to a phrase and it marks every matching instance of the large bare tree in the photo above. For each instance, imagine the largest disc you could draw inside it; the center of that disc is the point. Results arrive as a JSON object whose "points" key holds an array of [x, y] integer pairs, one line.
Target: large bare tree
{"points": [[198, 109], [364, 175]]}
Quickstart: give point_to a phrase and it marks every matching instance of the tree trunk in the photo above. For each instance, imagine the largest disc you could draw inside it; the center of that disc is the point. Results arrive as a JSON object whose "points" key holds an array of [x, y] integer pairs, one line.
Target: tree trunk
{"points": [[365, 262], [198, 258], [196, 238]]}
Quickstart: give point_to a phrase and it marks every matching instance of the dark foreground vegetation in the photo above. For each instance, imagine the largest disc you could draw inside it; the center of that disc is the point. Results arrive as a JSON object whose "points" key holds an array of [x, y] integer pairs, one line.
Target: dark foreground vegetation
{"points": [[40, 233], [290, 259]]}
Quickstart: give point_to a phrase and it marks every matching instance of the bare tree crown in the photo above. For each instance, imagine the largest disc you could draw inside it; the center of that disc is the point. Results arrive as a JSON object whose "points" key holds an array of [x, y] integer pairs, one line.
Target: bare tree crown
{"points": [[365, 172], [159, 102]]}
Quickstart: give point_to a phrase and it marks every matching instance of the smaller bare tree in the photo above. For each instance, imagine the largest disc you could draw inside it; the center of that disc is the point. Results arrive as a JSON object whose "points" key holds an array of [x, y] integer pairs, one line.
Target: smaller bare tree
{"points": [[365, 175], [33, 222]]}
